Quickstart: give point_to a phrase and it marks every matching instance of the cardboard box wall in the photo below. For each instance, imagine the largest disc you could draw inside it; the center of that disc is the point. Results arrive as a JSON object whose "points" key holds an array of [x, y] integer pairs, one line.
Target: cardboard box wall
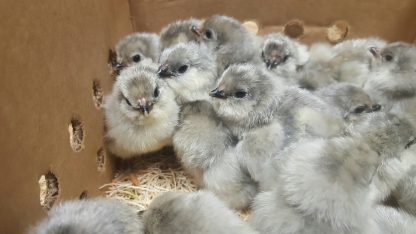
{"points": [[52, 51], [389, 19]]}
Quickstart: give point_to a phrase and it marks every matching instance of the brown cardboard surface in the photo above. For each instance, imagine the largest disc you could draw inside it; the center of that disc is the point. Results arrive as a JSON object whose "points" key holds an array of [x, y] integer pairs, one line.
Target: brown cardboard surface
{"points": [[51, 51], [390, 19]]}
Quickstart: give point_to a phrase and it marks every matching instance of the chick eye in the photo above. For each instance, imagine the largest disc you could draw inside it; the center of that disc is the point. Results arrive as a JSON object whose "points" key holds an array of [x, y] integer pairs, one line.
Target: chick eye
{"points": [[156, 92], [240, 94], [285, 58], [183, 68], [136, 58], [262, 54], [360, 109], [388, 57], [127, 101], [208, 34], [410, 143]]}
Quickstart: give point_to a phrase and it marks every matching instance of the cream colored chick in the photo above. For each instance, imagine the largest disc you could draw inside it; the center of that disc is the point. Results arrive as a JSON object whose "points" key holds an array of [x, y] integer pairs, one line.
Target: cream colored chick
{"points": [[140, 114]]}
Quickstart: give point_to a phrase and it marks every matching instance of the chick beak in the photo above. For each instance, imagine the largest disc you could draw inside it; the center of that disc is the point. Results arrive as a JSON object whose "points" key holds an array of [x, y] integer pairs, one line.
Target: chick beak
{"points": [[375, 52], [411, 142], [216, 93], [119, 67], [375, 107], [140, 213], [164, 71], [273, 62], [196, 30], [144, 107]]}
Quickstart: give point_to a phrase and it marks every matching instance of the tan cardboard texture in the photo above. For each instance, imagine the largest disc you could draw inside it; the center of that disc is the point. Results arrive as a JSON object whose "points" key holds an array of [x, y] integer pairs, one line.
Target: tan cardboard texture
{"points": [[54, 52], [392, 20], [51, 52]]}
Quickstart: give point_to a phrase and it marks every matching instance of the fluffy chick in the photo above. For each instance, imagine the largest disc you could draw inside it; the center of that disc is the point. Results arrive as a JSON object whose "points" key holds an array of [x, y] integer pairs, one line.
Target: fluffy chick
{"points": [[265, 116], [137, 48], [393, 73], [392, 221], [348, 99], [213, 168], [229, 39], [246, 102], [188, 213], [406, 189], [283, 56], [324, 185], [189, 69], [178, 32], [352, 60], [349, 61], [245, 98], [140, 113], [203, 144], [91, 216], [317, 72]]}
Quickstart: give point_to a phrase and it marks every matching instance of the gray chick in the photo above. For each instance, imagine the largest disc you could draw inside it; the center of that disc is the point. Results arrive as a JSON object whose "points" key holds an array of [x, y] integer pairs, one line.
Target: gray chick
{"points": [[392, 79], [229, 39], [406, 188], [204, 147], [189, 213], [246, 102], [396, 177], [317, 72], [189, 69], [325, 183], [265, 116], [352, 60], [178, 32], [349, 61], [394, 221], [246, 97], [137, 48], [91, 216], [283, 56], [140, 113], [348, 99]]}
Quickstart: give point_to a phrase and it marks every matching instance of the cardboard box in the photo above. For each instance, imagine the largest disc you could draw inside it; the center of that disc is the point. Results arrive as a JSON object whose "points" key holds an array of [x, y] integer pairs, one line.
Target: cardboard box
{"points": [[391, 20], [52, 52]]}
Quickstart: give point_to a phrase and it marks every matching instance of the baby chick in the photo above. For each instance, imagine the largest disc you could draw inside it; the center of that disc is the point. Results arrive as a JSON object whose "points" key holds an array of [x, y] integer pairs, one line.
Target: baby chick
{"points": [[228, 38], [349, 61], [393, 221], [406, 188], [324, 185], [265, 116], [283, 56], [246, 103], [317, 71], [189, 69], [352, 59], [189, 213], [348, 99], [178, 32], [202, 144], [140, 113], [245, 98], [392, 79], [395, 175], [137, 48], [91, 216]]}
